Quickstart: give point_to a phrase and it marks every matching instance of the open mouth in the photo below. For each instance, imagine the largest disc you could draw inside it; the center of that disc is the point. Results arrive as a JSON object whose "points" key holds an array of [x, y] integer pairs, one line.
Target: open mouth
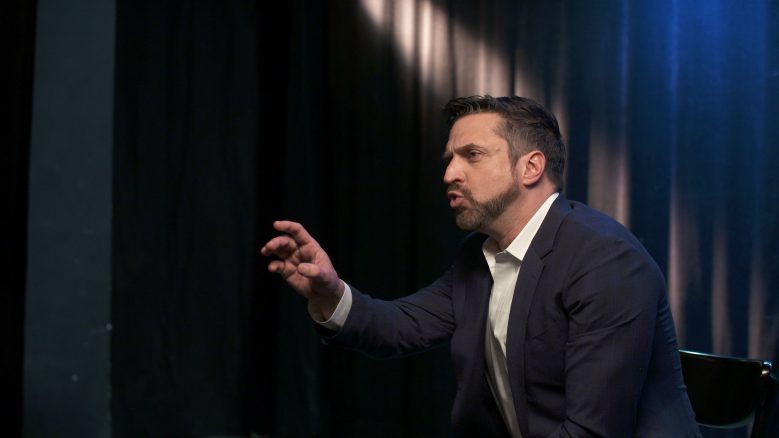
{"points": [[455, 199]]}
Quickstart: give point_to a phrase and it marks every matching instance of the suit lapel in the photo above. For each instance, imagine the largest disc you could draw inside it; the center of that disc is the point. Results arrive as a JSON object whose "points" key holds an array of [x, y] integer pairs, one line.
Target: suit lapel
{"points": [[526, 288], [476, 310], [476, 302]]}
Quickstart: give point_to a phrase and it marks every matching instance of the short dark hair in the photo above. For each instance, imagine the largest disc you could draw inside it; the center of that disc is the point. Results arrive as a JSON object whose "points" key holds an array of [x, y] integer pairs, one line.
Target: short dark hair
{"points": [[527, 126]]}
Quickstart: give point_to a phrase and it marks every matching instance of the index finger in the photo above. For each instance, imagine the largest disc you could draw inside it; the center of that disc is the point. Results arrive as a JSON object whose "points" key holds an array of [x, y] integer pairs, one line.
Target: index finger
{"points": [[295, 230]]}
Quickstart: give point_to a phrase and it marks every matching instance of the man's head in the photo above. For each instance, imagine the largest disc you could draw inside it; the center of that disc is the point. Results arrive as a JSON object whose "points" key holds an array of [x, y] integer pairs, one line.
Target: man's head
{"points": [[499, 151], [527, 126]]}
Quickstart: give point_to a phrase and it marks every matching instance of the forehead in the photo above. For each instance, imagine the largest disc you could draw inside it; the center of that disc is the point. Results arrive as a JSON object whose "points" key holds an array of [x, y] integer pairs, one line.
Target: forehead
{"points": [[477, 128]]}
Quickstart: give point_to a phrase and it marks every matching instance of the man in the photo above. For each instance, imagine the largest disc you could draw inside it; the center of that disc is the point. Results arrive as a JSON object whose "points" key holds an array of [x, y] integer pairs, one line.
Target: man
{"points": [[558, 317]]}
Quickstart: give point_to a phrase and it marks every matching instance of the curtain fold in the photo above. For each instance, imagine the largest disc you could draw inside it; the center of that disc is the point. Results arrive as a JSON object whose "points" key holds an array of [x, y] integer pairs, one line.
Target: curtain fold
{"points": [[185, 213]]}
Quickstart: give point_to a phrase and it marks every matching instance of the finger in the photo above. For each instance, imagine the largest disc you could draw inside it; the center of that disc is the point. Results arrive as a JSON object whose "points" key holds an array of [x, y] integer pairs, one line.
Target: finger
{"points": [[276, 266], [295, 230], [281, 246], [280, 241]]}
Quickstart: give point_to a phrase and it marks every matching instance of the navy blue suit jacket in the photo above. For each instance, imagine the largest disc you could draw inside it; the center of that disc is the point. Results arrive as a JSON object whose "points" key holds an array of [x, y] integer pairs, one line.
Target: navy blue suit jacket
{"points": [[591, 347]]}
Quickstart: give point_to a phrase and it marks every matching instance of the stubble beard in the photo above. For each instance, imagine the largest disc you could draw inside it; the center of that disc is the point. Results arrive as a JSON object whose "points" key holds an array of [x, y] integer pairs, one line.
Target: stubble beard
{"points": [[477, 215]]}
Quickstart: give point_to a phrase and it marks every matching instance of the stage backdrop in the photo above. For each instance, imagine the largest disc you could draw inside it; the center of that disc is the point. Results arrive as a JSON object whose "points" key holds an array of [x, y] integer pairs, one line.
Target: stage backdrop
{"points": [[669, 110]]}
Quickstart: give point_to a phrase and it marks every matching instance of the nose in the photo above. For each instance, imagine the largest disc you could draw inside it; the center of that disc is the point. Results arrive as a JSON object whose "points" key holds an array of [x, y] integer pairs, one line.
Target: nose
{"points": [[453, 173]]}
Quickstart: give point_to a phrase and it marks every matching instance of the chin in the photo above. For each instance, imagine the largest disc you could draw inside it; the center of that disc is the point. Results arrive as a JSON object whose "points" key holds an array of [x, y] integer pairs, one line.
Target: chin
{"points": [[467, 222]]}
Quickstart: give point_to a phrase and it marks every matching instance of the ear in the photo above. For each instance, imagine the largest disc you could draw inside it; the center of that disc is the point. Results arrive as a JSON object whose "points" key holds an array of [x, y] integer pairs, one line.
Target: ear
{"points": [[533, 169]]}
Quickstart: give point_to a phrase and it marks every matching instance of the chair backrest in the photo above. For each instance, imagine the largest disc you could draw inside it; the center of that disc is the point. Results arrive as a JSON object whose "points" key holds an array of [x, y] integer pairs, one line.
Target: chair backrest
{"points": [[730, 392]]}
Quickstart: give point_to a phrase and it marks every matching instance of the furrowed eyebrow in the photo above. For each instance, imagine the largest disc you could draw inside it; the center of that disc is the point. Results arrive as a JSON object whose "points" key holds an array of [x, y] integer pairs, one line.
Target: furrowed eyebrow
{"points": [[447, 155]]}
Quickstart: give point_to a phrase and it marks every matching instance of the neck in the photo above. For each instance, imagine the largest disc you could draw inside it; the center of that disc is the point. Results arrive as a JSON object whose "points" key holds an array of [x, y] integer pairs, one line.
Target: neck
{"points": [[507, 227]]}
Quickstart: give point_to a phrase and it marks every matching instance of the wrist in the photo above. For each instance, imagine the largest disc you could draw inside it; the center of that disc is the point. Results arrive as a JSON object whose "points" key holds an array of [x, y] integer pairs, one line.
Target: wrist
{"points": [[325, 304]]}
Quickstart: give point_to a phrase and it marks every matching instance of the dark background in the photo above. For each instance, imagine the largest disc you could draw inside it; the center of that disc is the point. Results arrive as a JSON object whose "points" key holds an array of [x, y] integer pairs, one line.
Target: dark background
{"points": [[230, 114], [18, 19]]}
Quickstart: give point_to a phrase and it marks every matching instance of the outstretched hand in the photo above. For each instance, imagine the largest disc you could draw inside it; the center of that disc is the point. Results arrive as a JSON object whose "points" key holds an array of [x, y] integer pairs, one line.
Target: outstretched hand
{"points": [[305, 266]]}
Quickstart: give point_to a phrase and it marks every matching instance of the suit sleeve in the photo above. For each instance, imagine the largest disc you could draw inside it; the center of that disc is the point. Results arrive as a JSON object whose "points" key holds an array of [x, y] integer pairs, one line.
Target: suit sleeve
{"points": [[611, 300], [387, 329]]}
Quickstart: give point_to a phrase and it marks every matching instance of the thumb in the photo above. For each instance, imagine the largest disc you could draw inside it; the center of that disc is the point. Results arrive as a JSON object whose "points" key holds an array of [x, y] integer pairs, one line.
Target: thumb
{"points": [[323, 280], [309, 270]]}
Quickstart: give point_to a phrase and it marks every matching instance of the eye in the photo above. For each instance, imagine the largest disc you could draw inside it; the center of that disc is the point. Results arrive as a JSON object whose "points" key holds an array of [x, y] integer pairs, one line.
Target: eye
{"points": [[473, 154]]}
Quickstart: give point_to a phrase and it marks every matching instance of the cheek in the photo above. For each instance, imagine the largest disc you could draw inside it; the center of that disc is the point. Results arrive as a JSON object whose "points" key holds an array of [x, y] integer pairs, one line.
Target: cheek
{"points": [[488, 186], [500, 180]]}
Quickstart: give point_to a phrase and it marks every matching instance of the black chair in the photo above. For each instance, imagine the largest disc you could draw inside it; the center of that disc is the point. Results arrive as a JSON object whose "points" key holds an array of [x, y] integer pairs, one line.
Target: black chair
{"points": [[730, 392]]}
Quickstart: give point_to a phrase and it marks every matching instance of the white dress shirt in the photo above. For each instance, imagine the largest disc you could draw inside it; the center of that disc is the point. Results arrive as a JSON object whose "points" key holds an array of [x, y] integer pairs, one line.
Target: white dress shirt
{"points": [[504, 268]]}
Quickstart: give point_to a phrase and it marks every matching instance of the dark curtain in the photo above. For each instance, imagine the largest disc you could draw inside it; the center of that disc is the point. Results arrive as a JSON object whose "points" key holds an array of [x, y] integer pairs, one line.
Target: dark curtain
{"points": [[185, 218], [223, 125], [18, 18]]}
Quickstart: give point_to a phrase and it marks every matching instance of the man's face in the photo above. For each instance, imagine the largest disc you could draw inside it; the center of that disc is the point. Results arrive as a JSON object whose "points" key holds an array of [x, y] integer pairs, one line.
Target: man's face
{"points": [[481, 182]]}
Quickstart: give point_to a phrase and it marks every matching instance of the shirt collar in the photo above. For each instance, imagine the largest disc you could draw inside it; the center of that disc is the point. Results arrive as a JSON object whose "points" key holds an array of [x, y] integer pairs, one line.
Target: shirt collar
{"points": [[519, 246]]}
